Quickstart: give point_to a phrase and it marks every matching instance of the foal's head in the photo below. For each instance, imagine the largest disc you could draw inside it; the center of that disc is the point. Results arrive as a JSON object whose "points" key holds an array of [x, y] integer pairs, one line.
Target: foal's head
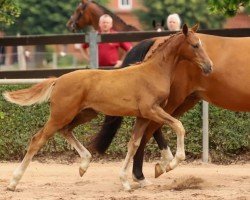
{"points": [[82, 16], [192, 49]]}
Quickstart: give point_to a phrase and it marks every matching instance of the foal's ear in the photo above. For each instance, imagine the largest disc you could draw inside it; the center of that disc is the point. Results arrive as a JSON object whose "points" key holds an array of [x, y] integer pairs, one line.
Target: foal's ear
{"points": [[195, 27], [185, 29]]}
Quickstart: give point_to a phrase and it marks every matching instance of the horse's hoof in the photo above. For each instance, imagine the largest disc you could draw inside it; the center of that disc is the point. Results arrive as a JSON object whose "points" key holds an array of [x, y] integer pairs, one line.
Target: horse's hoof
{"points": [[81, 172], [168, 168], [11, 187], [144, 183], [158, 170], [127, 188]]}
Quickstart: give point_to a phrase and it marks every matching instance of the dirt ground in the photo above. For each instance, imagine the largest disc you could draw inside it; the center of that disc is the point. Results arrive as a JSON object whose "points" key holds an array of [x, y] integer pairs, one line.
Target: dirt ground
{"points": [[53, 181]]}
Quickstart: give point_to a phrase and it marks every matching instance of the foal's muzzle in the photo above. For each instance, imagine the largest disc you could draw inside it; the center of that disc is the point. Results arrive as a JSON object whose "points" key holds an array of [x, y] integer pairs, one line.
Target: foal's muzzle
{"points": [[207, 68]]}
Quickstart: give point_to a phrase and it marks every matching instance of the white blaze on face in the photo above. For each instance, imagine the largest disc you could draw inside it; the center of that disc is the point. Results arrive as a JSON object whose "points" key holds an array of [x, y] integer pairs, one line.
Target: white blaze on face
{"points": [[200, 43]]}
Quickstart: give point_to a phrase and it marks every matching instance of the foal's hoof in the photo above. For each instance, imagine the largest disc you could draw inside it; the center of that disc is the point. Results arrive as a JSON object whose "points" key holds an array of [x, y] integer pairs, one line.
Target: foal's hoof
{"points": [[144, 183], [81, 171], [168, 168], [11, 187], [158, 170], [127, 188]]}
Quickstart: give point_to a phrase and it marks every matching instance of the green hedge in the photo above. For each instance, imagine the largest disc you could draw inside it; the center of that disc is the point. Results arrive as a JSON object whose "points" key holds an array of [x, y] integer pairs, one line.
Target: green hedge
{"points": [[229, 132]]}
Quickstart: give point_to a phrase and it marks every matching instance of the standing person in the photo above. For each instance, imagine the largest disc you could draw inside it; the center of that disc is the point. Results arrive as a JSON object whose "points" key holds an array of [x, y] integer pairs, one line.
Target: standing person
{"points": [[108, 52], [174, 22]]}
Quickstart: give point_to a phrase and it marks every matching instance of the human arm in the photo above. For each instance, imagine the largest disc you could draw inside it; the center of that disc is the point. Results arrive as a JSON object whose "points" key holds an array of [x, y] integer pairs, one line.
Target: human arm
{"points": [[125, 46]]}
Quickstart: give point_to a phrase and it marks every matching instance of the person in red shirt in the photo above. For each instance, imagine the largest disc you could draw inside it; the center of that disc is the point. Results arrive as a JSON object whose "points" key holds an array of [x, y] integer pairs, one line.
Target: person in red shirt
{"points": [[108, 52]]}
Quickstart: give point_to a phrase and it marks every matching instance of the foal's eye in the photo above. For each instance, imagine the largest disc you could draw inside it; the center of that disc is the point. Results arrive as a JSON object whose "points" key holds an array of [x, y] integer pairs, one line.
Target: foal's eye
{"points": [[195, 46]]}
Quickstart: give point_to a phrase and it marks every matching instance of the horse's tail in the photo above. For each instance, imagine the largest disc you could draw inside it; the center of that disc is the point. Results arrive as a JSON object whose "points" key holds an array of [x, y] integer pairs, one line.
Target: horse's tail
{"points": [[103, 139], [36, 94]]}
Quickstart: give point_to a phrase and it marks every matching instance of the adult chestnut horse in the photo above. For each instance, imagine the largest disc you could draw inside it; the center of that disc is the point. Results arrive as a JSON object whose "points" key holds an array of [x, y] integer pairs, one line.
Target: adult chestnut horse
{"points": [[140, 91], [88, 13], [227, 87]]}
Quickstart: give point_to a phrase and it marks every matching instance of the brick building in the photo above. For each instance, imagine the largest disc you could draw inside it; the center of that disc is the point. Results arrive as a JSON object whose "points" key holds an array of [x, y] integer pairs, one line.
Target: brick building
{"points": [[124, 9], [241, 20]]}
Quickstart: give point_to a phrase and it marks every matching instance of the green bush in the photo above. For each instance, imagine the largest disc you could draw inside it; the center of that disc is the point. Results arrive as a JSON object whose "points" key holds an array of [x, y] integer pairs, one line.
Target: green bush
{"points": [[229, 132]]}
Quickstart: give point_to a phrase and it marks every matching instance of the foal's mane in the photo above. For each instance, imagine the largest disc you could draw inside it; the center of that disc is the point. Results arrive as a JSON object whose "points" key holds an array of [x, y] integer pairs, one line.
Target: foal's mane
{"points": [[115, 17], [161, 45]]}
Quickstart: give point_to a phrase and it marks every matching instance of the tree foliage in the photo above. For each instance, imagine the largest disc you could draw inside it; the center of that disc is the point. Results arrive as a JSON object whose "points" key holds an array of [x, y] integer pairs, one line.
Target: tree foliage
{"points": [[9, 10], [227, 7], [190, 11]]}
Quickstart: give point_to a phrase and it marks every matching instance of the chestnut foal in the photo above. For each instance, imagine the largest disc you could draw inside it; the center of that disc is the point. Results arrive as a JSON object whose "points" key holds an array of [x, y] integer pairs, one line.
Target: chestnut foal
{"points": [[141, 91]]}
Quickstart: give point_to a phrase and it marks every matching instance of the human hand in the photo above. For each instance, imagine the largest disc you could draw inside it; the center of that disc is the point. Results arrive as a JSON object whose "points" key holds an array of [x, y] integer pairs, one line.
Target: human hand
{"points": [[118, 64]]}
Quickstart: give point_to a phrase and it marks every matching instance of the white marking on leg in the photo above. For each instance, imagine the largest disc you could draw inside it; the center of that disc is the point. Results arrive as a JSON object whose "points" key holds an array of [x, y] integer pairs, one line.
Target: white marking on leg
{"points": [[143, 183], [18, 173], [37, 141], [166, 158], [123, 173], [132, 148], [82, 151], [180, 153]]}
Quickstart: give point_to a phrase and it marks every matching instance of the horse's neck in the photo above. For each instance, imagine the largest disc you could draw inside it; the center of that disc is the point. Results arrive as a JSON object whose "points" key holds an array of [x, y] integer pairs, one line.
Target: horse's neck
{"points": [[121, 26], [165, 60], [95, 16], [118, 24]]}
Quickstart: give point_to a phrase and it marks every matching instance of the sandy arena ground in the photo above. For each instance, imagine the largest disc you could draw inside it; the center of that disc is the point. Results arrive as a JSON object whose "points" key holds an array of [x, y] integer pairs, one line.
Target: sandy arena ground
{"points": [[188, 181]]}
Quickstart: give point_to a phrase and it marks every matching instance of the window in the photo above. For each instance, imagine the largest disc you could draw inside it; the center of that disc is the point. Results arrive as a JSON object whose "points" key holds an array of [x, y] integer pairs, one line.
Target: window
{"points": [[125, 4]]}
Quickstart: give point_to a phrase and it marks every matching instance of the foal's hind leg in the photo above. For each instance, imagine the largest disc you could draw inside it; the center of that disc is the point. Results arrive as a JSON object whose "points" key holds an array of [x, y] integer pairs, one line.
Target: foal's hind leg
{"points": [[82, 117], [134, 142], [61, 114], [37, 141], [137, 174], [82, 151]]}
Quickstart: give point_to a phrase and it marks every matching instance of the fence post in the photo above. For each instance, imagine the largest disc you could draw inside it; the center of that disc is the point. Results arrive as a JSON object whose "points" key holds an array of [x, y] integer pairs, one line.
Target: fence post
{"points": [[54, 60], [205, 135], [93, 38], [21, 57]]}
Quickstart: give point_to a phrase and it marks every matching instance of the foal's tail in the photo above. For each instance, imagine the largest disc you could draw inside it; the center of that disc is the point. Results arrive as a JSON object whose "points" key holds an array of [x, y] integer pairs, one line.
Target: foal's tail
{"points": [[36, 94]]}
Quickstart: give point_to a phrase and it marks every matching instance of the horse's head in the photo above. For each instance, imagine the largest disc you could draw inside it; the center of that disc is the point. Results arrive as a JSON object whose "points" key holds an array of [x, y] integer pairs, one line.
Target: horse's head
{"points": [[158, 26], [81, 17], [193, 50]]}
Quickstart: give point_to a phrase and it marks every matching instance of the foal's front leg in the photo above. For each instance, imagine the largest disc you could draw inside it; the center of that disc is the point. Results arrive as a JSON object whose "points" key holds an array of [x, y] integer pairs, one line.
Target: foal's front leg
{"points": [[177, 126], [158, 115], [139, 127], [166, 155]]}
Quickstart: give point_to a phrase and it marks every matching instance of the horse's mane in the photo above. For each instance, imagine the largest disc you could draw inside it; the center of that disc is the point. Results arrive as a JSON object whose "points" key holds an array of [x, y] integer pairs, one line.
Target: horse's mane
{"points": [[160, 45], [138, 52], [115, 17]]}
